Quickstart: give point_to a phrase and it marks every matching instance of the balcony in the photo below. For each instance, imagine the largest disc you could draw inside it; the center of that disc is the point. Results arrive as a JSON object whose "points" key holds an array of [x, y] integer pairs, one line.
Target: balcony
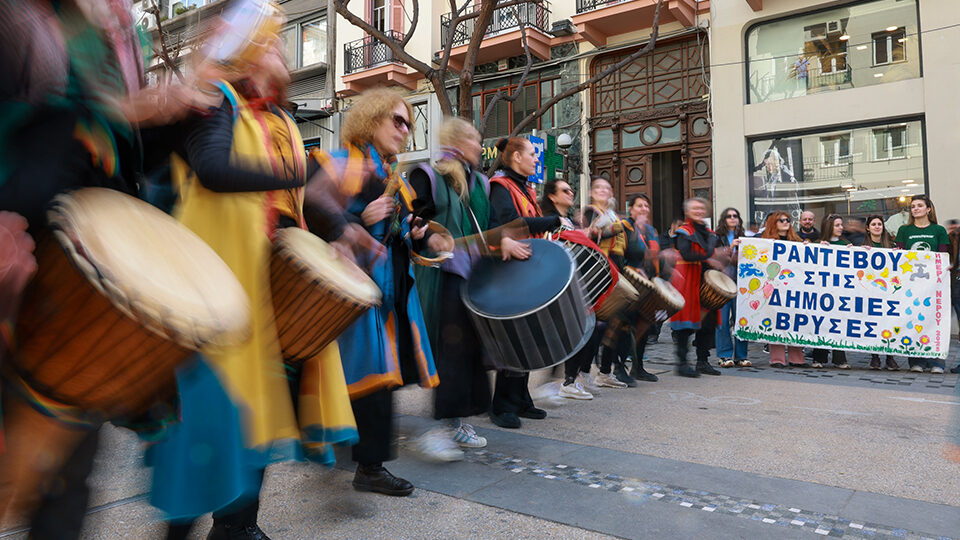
{"points": [[502, 39], [369, 62], [596, 20]]}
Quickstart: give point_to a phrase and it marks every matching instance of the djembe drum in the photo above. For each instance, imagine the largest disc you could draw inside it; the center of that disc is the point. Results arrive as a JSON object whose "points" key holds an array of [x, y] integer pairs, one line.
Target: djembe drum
{"points": [[316, 293], [716, 289]]}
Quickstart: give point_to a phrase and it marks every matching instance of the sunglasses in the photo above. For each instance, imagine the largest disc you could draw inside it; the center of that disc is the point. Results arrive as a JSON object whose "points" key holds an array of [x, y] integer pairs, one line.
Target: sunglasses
{"points": [[784, 220], [399, 121], [732, 216]]}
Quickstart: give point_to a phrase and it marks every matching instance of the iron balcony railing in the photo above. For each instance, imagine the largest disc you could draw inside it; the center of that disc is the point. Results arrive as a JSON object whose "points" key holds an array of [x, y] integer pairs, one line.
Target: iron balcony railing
{"points": [[368, 52], [590, 5], [535, 14]]}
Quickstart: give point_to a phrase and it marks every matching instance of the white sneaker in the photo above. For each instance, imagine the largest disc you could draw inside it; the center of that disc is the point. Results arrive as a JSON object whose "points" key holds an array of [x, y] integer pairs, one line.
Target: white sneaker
{"points": [[437, 445], [916, 369], [936, 370], [587, 382], [467, 437], [608, 381], [575, 391]]}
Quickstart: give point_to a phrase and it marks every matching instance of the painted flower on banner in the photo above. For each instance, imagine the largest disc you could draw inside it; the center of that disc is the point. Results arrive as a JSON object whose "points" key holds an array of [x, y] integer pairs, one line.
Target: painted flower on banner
{"points": [[886, 334], [742, 321], [766, 322], [924, 339], [906, 341]]}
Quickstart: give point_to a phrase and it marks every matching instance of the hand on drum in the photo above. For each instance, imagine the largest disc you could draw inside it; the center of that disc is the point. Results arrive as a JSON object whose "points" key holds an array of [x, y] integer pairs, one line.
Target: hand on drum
{"points": [[512, 249], [356, 240], [379, 210], [439, 243], [17, 264]]}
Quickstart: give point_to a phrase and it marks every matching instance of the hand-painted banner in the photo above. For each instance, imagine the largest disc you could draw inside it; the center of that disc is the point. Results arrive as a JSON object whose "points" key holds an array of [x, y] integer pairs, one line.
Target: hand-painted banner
{"points": [[840, 297]]}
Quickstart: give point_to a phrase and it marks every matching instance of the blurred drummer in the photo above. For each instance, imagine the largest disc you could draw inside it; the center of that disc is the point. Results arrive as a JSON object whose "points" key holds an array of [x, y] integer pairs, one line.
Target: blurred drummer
{"points": [[456, 192], [512, 197], [387, 346], [239, 172], [642, 252], [696, 244]]}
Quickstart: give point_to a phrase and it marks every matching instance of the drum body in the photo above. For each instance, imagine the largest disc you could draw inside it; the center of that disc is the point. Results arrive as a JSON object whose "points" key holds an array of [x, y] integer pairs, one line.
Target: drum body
{"points": [[624, 297], [122, 295], [316, 294], [716, 289], [247, 31], [662, 302], [529, 314], [594, 270]]}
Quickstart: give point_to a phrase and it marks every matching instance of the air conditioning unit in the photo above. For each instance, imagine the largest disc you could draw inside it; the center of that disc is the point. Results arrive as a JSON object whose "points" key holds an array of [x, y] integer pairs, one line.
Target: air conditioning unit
{"points": [[833, 27]]}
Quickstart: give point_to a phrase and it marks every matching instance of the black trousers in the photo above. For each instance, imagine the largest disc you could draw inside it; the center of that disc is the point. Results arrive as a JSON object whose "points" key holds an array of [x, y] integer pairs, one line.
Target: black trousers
{"points": [[464, 389], [375, 427], [820, 355], [583, 359], [704, 339], [511, 392], [64, 504]]}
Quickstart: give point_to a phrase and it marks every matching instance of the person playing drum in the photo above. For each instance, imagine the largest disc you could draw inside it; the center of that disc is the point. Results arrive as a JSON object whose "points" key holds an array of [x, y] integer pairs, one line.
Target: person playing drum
{"points": [[642, 252], [696, 244], [388, 346], [511, 197], [457, 193]]}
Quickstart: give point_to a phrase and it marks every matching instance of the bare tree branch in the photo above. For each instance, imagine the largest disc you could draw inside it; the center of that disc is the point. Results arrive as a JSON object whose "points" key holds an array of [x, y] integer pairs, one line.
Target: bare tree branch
{"points": [[580, 87], [500, 95], [484, 16], [164, 52], [413, 24]]}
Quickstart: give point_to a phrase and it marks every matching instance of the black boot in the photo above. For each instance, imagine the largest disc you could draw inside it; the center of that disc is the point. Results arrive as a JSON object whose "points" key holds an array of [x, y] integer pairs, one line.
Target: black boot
{"points": [[239, 525], [377, 479], [703, 366], [683, 344], [620, 373]]}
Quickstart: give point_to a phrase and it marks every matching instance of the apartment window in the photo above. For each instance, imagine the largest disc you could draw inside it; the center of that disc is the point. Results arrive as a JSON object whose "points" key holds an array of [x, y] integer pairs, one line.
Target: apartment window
{"points": [[888, 46], [380, 13], [834, 171], [305, 44], [506, 115], [890, 143], [835, 150], [832, 49], [419, 138]]}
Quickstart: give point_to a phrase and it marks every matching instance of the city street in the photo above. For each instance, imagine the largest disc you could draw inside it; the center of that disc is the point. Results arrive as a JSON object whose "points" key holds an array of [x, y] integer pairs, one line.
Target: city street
{"points": [[754, 453]]}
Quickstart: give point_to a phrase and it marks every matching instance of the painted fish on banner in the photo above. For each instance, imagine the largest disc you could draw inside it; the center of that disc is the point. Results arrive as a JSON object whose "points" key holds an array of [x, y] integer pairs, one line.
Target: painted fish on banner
{"points": [[842, 297]]}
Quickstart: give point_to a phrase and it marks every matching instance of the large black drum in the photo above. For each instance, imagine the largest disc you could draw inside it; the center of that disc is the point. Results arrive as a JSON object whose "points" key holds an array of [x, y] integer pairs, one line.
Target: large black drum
{"points": [[529, 314]]}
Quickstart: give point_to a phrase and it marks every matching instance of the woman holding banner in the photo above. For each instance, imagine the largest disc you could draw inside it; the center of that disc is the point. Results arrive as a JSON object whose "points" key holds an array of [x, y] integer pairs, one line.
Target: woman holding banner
{"points": [[730, 350], [777, 227], [877, 236], [923, 234], [831, 230]]}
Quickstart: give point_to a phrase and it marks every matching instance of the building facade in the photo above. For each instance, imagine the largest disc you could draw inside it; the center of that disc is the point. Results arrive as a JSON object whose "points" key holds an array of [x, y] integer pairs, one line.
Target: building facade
{"points": [[834, 107]]}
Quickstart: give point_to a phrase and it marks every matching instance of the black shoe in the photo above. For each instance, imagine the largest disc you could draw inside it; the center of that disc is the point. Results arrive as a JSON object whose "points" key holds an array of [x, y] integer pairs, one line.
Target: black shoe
{"points": [[376, 478], [533, 413], [505, 420], [644, 375], [705, 368], [686, 370], [621, 374], [221, 531], [955, 369]]}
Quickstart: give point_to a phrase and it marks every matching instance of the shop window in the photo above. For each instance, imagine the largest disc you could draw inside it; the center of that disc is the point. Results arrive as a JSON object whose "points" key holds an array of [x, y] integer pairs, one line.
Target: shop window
{"points": [[508, 114], [835, 171], [419, 138], [833, 49], [305, 44]]}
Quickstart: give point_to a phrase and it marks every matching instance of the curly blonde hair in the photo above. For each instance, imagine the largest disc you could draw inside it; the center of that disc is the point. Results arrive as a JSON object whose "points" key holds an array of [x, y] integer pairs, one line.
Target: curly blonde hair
{"points": [[364, 116], [451, 132]]}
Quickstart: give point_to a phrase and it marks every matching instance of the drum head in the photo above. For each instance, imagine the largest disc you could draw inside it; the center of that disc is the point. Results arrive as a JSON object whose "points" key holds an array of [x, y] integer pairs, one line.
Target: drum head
{"points": [[721, 283], [669, 293], [636, 279], [321, 262], [507, 289], [151, 267]]}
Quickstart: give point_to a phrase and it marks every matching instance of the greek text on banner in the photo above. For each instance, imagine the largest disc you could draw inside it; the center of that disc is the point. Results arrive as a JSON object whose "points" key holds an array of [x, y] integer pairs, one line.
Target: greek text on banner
{"points": [[842, 297]]}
